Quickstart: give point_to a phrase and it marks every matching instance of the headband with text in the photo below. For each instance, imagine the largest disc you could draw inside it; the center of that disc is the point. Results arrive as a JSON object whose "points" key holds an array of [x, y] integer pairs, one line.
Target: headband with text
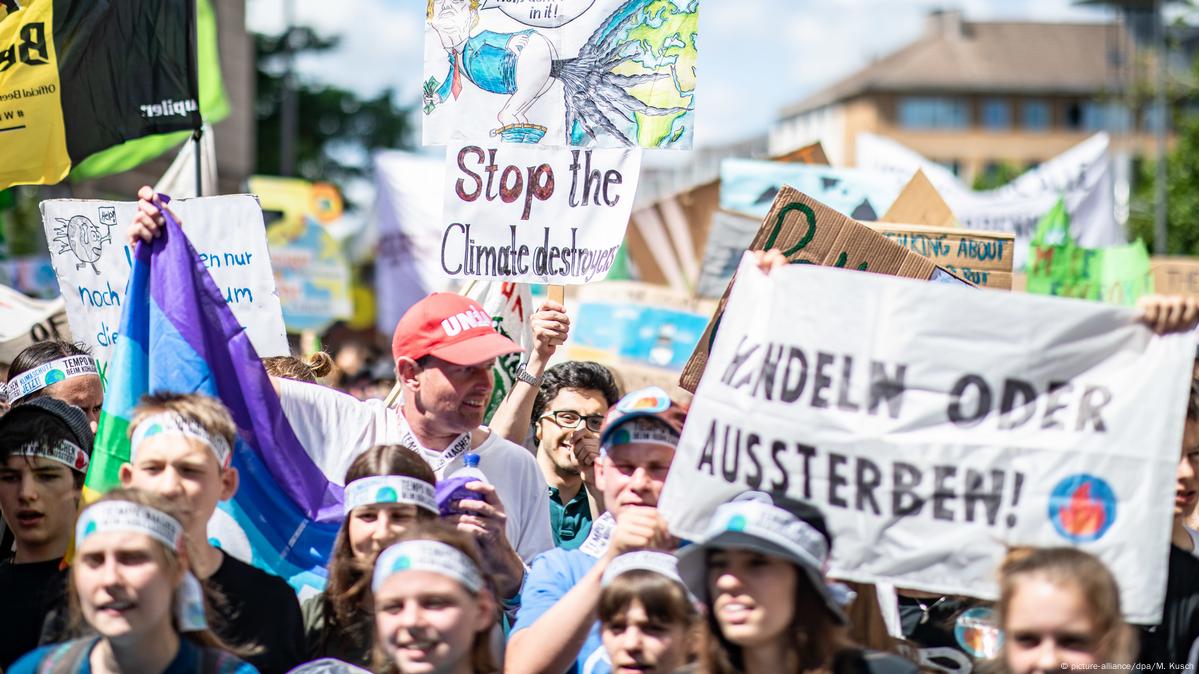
{"points": [[173, 423], [60, 369], [128, 517], [65, 452], [432, 556], [390, 489]]}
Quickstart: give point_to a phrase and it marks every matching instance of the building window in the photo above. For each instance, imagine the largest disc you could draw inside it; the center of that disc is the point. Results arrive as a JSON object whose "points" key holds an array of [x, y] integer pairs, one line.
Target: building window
{"points": [[997, 114], [933, 112], [1035, 115]]}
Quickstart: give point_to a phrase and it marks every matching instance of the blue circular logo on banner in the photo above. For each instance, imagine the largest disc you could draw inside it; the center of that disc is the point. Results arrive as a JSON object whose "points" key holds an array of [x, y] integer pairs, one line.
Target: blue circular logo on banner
{"points": [[1082, 508]]}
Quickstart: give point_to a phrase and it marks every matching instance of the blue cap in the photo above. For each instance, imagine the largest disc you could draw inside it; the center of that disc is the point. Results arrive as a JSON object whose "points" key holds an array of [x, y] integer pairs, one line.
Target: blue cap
{"points": [[471, 460]]}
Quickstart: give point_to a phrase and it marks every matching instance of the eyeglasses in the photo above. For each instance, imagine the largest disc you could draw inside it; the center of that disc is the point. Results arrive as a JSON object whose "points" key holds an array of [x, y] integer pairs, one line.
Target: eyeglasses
{"points": [[571, 419]]}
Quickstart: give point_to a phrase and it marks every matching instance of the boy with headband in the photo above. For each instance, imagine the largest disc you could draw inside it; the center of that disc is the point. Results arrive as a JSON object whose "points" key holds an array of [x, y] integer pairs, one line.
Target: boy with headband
{"points": [[45, 446], [181, 448], [56, 369]]}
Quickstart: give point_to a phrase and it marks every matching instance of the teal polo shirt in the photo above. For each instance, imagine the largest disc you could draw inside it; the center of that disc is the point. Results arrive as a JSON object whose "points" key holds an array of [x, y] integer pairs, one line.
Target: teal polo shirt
{"points": [[571, 522]]}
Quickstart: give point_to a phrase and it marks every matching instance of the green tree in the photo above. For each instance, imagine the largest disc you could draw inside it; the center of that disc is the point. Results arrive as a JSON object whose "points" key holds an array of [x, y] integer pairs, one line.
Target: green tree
{"points": [[1182, 192], [336, 130], [996, 175]]}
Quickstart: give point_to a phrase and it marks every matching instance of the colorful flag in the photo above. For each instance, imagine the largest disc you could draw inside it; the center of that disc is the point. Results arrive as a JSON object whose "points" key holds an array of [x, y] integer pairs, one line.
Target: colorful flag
{"points": [[178, 334], [510, 306], [214, 107], [79, 77]]}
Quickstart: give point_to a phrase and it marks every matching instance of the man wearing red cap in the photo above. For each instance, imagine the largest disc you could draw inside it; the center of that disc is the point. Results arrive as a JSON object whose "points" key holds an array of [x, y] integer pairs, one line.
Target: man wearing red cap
{"points": [[444, 349]]}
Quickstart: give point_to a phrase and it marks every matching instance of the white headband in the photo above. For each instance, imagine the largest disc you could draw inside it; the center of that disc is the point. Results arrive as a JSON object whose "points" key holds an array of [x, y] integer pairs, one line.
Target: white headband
{"points": [[642, 560], [433, 556], [390, 489], [65, 452], [126, 516], [175, 424], [31, 381]]}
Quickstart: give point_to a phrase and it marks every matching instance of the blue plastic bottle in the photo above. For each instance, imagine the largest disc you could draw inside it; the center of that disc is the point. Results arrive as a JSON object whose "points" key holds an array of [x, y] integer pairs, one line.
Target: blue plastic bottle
{"points": [[453, 488]]}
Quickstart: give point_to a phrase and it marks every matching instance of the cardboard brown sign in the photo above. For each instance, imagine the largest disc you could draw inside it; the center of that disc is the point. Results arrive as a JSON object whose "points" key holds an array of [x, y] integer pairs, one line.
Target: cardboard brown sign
{"points": [[808, 154], [982, 258], [807, 231], [1175, 275], [920, 204]]}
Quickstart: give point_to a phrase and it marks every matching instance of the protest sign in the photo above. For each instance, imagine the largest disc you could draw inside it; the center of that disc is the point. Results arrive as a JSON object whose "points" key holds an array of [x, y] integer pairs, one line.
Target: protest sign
{"points": [[1058, 266], [808, 232], [1082, 173], [70, 85], [1175, 275], [92, 264], [311, 269], [534, 214], [749, 187], [731, 234], [509, 305], [935, 426], [27, 320], [637, 323], [920, 204], [603, 73], [982, 258]]}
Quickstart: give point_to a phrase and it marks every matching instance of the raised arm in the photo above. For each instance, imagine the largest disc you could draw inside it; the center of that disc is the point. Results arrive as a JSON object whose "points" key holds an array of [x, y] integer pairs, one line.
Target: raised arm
{"points": [[511, 421]]}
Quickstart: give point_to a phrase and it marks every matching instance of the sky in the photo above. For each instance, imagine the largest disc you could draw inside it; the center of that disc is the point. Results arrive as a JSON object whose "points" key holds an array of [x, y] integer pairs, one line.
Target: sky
{"points": [[755, 57]]}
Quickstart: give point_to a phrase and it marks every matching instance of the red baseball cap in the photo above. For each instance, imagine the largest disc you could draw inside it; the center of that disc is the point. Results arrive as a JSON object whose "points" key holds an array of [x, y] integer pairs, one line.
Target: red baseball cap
{"points": [[450, 327]]}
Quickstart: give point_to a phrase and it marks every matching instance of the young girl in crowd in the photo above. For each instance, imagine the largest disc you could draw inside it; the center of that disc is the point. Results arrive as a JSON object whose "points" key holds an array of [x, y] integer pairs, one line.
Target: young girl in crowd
{"points": [[388, 489], [758, 569], [647, 617], [1060, 609], [132, 585], [434, 606]]}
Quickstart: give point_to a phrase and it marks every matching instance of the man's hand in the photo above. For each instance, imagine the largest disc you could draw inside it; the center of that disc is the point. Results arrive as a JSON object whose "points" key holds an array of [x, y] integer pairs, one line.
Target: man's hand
{"points": [[1169, 313], [640, 528], [149, 222], [551, 325], [485, 520], [768, 260]]}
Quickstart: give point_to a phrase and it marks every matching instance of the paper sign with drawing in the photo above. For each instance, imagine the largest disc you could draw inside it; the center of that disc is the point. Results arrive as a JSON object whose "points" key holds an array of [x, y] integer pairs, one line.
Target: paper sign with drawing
{"points": [[603, 73], [92, 263], [935, 426]]}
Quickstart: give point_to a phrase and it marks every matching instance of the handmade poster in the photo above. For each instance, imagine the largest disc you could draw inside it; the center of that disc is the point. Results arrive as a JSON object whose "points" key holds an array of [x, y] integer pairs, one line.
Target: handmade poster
{"points": [[730, 235], [749, 187], [28, 320], [982, 258], [937, 426], [637, 323], [1175, 275], [92, 264], [595, 73], [71, 86], [535, 214]]}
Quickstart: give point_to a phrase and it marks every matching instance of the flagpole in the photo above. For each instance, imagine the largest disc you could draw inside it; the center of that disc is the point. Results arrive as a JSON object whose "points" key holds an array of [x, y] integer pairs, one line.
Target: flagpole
{"points": [[199, 162]]}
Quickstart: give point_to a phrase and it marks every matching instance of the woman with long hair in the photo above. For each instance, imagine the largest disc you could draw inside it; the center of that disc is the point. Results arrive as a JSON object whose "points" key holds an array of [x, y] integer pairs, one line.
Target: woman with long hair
{"points": [[759, 569], [435, 607], [131, 586], [1060, 609], [389, 488]]}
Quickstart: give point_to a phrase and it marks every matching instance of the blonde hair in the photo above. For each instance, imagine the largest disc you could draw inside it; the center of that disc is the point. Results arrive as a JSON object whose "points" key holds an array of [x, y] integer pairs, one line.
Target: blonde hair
{"points": [[1063, 567], [171, 566], [474, 7], [206, 411], [308, 369]]}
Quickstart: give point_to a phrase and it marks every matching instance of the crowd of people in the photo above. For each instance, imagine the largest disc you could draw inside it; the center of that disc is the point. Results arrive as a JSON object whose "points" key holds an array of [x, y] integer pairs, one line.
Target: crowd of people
{"points": [[548, 555]]}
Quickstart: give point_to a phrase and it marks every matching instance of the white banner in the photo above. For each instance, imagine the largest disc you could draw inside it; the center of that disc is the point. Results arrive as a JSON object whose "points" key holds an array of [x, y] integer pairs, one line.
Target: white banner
{"points": [[408, 217], [1082, 174], [602, 73], [935, 426], [535, 215], [87, 249], [27, 320]]}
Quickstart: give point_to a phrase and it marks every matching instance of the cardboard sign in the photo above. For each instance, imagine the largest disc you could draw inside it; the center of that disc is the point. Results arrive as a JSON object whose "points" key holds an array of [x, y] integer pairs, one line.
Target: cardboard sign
{"points": [[808, 154], [982, 258], [1175, 275], [934, 427], [595, 73], [92, 264], [808, 232], [920, 204], [535, 215]]}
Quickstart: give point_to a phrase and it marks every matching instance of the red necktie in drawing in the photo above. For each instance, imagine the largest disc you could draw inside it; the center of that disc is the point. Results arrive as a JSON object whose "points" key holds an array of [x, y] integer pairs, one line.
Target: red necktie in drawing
{"points": [[456, 86]]}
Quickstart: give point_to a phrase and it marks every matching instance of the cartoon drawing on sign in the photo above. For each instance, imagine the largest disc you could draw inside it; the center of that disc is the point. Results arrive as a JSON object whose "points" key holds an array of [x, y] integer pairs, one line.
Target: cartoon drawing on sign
{"points": [[84, 238], [608, 87]]}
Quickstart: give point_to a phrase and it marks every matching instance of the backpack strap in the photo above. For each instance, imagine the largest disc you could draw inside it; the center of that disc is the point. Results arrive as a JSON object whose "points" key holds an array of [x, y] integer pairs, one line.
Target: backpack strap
{"points": [[66, 658]]}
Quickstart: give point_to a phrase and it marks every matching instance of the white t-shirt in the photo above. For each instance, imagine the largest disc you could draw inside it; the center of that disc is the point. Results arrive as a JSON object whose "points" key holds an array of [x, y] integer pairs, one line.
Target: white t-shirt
{"points": [[334, 428]]}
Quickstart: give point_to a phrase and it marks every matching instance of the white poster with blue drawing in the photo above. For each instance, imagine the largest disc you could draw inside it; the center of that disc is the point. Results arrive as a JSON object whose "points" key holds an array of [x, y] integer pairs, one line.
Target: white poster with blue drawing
{"points": [[596, 73], [749, 187]]}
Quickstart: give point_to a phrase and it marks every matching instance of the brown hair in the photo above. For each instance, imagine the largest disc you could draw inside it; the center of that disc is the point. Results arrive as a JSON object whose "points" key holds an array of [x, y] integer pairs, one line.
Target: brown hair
{"points": [[1193, 401], [665, 600], [206, 638], [345, 603], [38, 354], [204, 410], [1084, 572], [309, 369], [481, 660], [817, 638]]}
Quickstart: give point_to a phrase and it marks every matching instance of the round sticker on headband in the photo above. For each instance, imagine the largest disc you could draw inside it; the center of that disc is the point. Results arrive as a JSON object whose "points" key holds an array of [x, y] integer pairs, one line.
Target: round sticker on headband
{"points": [[55, 376], [651, 400], [386, 495], [977, 633], [1082, 508], [736, 523]]}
